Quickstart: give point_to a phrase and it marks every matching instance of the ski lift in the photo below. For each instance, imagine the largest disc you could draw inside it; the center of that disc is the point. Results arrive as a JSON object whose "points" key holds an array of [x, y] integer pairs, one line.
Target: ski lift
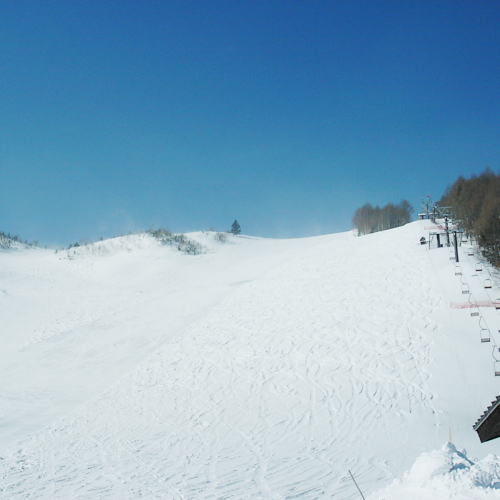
{"points": [[495, 352], [470, 253], [497, 304], [465, 289], [458, 270], [479, 267], [487, 283], [485, 335], [474, 307]]}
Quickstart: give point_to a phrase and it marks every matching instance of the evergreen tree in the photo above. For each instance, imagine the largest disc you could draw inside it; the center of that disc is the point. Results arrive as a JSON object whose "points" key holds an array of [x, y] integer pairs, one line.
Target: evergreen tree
{"points": [[235, 228]]}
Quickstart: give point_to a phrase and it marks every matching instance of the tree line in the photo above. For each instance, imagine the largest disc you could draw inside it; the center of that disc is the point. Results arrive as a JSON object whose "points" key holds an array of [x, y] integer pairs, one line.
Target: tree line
{"points": [[475, 203], [370, 219]]}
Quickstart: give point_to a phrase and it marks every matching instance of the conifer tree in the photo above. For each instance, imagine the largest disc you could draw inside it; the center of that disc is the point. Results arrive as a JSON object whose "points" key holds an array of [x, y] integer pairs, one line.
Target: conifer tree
{"points": [[235, 227]]}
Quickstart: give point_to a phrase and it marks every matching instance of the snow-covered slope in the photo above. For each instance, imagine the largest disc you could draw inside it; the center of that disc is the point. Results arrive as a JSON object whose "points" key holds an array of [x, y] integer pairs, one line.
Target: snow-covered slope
{"points": [[259, 369], [8, 242]]}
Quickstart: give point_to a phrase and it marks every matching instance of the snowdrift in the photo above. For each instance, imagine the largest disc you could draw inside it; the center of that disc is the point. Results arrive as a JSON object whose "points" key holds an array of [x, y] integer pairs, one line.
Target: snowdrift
{"points": [[446, 474]]}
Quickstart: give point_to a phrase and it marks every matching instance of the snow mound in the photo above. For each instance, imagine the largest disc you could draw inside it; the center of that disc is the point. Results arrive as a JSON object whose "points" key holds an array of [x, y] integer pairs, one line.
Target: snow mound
{"points": [[446, 474], [113, 246], [136, 242], [194, 243]]}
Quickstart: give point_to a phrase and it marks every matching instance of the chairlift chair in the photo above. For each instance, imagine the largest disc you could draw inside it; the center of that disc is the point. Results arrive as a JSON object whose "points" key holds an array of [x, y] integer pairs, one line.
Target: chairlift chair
{"points": [[479, 267], [465, 290], [487, 283], [485, 335], [496, 359], [474, 307]]}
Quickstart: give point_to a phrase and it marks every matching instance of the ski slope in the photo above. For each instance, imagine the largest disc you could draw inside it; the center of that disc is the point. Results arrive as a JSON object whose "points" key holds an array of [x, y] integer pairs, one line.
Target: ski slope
{"points": [[260, 369]]}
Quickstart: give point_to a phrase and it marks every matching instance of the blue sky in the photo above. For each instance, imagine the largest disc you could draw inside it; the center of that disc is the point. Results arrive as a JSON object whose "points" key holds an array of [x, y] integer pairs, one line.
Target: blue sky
{"points": [[121, 115]]}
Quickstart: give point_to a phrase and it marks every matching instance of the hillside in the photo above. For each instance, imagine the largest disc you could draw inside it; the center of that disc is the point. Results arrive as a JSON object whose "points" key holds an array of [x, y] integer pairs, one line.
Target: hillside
{"points": [[10, 242], [258, 369]]}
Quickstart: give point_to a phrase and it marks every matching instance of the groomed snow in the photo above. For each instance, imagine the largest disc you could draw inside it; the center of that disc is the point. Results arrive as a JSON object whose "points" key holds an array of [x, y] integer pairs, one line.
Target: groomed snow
{"points": [[260, 369]]}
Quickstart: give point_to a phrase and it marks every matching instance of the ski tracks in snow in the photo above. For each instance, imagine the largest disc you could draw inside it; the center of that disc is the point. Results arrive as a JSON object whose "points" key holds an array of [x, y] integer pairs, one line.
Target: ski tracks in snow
{"points": [[275, 393]]}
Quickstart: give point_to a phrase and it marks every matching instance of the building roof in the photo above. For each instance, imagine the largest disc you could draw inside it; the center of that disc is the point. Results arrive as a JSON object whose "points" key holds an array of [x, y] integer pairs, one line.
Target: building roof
{"points": [[488, 424]]}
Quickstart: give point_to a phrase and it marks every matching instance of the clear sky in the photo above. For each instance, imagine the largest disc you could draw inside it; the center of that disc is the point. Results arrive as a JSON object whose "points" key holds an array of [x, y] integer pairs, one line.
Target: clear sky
{"points": [[117, 116]]}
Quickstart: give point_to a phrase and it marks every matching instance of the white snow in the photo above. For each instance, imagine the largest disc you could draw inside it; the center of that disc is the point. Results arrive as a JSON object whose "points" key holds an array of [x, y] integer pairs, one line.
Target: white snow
{"points": [[260, 369], [446, 474]]}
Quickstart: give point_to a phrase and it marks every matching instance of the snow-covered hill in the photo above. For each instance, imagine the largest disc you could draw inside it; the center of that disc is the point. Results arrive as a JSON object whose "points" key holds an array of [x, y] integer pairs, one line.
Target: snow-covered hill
{"points": [[258, 369], [8, 242]]}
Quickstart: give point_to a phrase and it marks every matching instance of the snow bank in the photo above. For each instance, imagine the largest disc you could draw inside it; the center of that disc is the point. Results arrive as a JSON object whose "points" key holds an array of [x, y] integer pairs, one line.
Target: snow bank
{"points": [[446, 474]]}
